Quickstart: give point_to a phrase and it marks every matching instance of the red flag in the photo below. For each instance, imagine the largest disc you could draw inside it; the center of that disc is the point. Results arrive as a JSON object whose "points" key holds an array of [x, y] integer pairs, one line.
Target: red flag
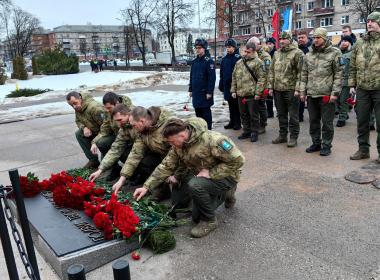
{"points": [[276, 27]]}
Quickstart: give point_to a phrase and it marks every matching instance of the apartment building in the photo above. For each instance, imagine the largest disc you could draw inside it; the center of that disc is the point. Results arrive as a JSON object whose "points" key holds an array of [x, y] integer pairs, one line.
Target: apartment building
{"points": [[254, 18], [99, 40], [181, 39]]}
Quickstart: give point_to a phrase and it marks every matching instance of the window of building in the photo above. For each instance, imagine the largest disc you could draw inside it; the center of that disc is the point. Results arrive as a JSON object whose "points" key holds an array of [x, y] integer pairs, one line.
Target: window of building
{"points": [[246, 31], [269, 28], [270, 12], [344, 20], [310, 6], [310, 23], [345, 2], [258, 30], [257, 14], [236, 32], [298, 24], [362, 19], [326, 22], [298, 8], [327, 3], [235, 18]]}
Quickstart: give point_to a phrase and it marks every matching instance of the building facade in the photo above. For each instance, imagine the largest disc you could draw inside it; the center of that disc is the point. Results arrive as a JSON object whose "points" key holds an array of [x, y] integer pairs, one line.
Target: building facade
{"points": [[100, 40], [254, 18], [181, 39]]}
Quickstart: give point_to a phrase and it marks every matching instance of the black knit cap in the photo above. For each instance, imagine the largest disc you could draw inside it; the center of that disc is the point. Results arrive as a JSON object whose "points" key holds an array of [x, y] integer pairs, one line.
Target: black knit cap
{"points": [[348, 39]]}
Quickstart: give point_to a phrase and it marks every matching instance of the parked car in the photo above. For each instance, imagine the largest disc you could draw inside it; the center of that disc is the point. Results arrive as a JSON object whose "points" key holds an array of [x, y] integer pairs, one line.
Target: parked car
{"points": [[180, 61]]}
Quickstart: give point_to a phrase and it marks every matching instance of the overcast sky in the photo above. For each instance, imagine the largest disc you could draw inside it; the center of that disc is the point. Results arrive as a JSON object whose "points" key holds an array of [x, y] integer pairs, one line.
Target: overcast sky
{"points": [[55, 13]]}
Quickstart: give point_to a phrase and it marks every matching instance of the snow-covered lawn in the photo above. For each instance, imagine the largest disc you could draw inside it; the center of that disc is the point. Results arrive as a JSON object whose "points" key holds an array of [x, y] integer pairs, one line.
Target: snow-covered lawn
{"points": [[73, 81]]}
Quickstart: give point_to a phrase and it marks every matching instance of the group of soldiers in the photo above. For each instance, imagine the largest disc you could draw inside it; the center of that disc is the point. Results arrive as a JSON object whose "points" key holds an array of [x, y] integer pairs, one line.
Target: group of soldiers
{"points": [[310, 71], [187, 161], [166, 156]]}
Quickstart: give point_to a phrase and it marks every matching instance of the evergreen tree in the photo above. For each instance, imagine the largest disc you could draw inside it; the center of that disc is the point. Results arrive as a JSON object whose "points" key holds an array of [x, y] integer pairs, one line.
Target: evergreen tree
{"points": [[19, 71]]}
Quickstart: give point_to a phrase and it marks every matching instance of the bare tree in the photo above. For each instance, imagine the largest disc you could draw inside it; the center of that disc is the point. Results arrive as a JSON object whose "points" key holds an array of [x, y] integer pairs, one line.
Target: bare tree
{"points": [[172, 14], [140, 15], [261, 14], [19, 27], [224, 14], [364, 7]]}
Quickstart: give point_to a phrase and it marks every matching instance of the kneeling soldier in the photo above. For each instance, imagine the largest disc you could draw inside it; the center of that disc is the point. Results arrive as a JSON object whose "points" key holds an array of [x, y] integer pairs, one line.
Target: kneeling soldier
{"points": [[89, 116], [207, 165]]}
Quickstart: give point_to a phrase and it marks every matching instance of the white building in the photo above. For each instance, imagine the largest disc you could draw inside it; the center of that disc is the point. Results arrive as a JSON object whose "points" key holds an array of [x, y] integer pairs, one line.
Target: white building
{"points": [[181, 37]]}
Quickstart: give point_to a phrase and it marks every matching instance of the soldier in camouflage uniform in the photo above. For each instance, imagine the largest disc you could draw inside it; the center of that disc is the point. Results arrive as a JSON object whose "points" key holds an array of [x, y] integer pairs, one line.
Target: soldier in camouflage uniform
{"points": [[89, 116], [248, 79], [206, 164], [284, 78], [342, 105], [149, 143], [266, 59], [321, 82], [109, 128], [121, 146], [365, 78]]}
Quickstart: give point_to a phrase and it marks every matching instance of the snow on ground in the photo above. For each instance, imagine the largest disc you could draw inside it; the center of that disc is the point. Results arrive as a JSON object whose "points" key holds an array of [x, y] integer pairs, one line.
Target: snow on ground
{"points": [[73, 81], [173, 101]]}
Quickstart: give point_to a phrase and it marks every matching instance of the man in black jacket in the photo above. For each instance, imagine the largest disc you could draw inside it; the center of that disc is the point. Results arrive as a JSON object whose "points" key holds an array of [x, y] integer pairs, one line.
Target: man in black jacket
{"points": [[226, 68]]}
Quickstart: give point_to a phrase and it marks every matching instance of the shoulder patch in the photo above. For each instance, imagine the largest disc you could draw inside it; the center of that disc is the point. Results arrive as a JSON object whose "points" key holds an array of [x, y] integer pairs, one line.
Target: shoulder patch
{"points": [[267, 62], [342, 61], [237, 55], [225, 145], [207, 58], [212, 66]]}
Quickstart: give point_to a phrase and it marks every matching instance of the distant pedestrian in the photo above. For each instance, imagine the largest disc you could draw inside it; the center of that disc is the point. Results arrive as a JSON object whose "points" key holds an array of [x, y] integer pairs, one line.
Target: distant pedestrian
{"points": [[101, 65], [92, 64], [271, 43], [226, 68], [202, 82], [96, 66], [114, 64], [321, 81]]}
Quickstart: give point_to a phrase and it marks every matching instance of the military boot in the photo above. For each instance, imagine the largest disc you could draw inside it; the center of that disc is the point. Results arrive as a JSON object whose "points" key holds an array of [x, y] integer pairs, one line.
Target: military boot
{"points": [[230, 198], [228, 126], [203, 228], [244, 135], [261, 130], [359, 155], [254, 137], [292, 142], [313, 148], [280, 139]]}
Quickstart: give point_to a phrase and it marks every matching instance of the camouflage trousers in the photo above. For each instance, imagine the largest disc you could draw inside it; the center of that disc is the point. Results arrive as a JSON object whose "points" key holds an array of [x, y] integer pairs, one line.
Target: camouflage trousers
{"points": [[263, 112], [207, 195], [104, 144], [249, 114], [318, 111], [342, 105], [366, 102], [288, 112]]}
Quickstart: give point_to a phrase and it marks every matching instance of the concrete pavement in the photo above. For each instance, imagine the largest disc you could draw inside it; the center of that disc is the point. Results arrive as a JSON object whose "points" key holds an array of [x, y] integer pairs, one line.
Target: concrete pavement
{"points": [[296, 216]]}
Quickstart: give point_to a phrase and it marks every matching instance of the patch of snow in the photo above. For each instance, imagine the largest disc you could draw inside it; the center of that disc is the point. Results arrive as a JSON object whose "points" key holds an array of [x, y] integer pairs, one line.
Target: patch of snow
{"points": [[73, 81]]}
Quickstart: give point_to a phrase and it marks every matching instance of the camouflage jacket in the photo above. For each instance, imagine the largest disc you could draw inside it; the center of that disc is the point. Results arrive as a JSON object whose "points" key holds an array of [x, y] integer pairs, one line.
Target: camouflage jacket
{"points": [[109, 127], [91, 116], [242, 82], [346, 55], [285, 69], [151, 140], [365, 63], [126, 136], [267, 60], [322, 72], [205, 149]]}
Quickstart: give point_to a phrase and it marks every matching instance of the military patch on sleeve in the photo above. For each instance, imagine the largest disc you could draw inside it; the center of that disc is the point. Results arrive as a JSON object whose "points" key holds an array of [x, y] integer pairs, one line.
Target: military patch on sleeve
{"points": [[237, 55], [267, 62], [341, 61], [225, 145], [212, 66], [102, 116]]}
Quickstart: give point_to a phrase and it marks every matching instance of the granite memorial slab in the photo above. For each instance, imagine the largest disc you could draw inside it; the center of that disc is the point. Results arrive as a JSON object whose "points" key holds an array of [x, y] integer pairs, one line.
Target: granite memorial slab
{"points": [[66, 236]]}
